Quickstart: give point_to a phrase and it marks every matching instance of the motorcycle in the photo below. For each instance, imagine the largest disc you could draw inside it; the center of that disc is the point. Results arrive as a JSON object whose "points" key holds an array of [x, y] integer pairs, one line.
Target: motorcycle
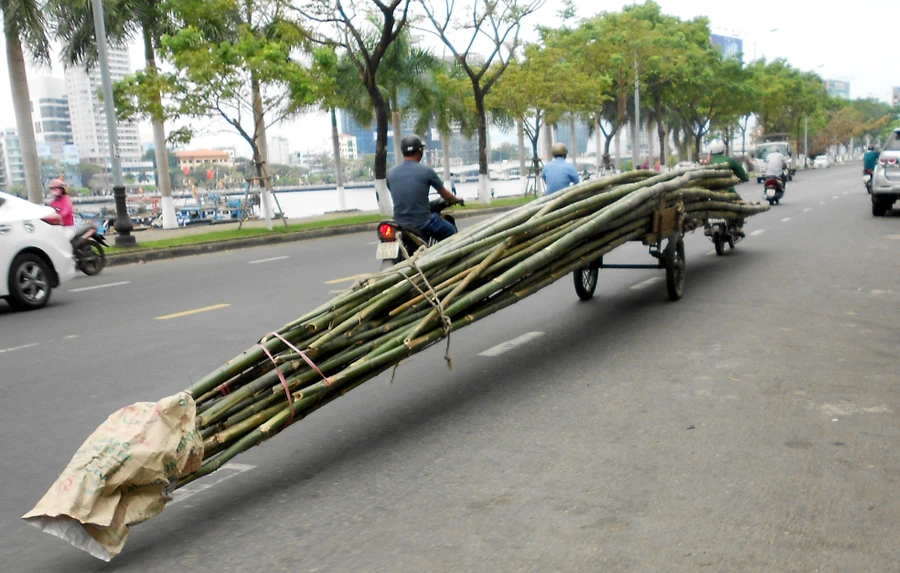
{"points": [[391, 235], [773, 190], [722, 232], [867, 180], [87, 246]]}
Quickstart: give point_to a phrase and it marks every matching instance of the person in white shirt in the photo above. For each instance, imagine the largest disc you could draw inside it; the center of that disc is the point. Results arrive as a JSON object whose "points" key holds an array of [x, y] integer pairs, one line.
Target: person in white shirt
{"points": [[775, 166]]}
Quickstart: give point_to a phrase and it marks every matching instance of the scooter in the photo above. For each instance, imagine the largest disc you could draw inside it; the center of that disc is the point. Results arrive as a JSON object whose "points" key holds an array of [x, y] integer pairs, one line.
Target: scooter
{"points": [[773, 190], [722, 232], [391, 235], [87, 246]]}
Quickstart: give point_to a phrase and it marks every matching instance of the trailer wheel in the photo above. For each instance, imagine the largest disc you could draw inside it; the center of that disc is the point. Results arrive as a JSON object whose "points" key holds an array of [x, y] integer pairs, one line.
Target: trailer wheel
{"points": [[675, 265], [586, 281]]}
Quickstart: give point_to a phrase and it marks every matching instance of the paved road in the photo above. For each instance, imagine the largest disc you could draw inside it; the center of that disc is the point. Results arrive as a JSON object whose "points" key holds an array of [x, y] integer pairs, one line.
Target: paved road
{"points": [[752, 426]]}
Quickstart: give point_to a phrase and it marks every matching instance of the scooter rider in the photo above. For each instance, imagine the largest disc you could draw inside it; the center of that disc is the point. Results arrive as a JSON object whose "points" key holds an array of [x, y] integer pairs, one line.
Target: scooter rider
{"points": [[775, 167], [717, 155], [558, 174], [870, 160], [409, 183]]}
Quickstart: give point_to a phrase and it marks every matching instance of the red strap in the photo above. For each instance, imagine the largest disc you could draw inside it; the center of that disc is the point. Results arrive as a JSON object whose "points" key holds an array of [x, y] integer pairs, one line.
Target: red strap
{"points": [[284, 383], [304, 356]]}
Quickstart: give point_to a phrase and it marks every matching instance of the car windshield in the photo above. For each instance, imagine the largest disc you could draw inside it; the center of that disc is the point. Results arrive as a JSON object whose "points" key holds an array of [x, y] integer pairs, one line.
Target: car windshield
{"points": [[893, 142]]}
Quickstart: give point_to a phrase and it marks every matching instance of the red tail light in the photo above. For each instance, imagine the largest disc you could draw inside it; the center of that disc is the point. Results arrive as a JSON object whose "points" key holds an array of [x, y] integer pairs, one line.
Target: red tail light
{"points": [[386, 232], [53, 219]]}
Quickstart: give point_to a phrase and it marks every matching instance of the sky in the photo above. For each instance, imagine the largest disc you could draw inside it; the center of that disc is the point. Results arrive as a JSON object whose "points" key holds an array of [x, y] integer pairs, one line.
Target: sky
{"points": [[823, 36]]}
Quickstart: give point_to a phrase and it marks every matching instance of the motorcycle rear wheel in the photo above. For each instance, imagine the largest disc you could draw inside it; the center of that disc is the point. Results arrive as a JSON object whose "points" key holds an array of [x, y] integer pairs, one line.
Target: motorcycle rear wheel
{"points": [[719, 242], [93, 259]]}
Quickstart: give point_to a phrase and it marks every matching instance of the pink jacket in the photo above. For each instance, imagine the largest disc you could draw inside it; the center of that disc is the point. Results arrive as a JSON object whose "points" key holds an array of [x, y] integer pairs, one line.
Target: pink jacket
{"points": [[63, 206]]}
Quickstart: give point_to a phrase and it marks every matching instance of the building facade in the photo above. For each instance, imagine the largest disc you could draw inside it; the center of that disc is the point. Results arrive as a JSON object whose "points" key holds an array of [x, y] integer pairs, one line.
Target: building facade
{"points": [[196, 157], [838, 88], [88, 119]]}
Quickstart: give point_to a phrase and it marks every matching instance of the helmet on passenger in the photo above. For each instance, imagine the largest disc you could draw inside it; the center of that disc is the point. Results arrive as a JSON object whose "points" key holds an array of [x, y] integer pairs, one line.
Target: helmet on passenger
{"points": [[58, 187], [411, 144], [871, 148], [559, 150], [716, 147]]}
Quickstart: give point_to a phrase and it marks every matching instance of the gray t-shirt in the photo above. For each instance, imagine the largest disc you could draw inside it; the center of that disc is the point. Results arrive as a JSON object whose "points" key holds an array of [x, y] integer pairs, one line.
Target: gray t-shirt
{"points": [[409, 183]]}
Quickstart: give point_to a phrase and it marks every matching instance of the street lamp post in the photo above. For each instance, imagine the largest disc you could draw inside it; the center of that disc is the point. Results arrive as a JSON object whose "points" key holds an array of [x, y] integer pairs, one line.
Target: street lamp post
{"points": [[123, 221]]}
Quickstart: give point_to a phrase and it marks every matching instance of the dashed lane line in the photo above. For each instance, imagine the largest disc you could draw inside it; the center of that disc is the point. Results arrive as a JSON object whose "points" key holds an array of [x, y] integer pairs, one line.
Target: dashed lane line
{"points": [[646, 283], [807, 210], [786, 219], [835, 196], [95, 287], [269, 260], [758, 232], [22, 347], [194, 311], [510, 344], [348, 279], [821, 202]]}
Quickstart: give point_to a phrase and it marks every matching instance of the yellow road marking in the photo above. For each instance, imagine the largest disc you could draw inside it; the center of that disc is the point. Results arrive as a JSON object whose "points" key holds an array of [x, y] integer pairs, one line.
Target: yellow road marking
{"points": [[195, 311], [348, 279]]}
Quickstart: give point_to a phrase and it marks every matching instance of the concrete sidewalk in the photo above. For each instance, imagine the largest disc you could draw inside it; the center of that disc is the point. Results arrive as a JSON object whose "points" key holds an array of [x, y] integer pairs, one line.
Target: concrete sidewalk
{"points": [[148, 235]]}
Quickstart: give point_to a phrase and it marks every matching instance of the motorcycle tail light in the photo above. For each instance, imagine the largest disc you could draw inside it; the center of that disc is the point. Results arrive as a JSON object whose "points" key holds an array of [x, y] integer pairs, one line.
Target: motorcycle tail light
{"points": [[386, 232], [53, 219]]}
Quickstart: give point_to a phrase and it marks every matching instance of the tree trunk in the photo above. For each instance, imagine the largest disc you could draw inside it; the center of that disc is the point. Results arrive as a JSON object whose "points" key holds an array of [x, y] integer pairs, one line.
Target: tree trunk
{"points": [[651, 150], [598, 143], [338, 168], [574, 150], [169, 221], [261, 154], [547, 141], [618, 150], [385, 205], [395, 123], [484, 191], [523, 169], [18, 81], [445, 149], [661, 136]]}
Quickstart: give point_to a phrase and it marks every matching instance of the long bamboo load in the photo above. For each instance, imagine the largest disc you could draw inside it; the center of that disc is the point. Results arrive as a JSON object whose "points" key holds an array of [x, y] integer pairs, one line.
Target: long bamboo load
{"points": [[403, 310]]}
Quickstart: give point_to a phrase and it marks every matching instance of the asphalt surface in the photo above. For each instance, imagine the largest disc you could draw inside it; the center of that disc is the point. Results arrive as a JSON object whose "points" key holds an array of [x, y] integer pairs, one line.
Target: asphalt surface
{"points": [[751, 426]]}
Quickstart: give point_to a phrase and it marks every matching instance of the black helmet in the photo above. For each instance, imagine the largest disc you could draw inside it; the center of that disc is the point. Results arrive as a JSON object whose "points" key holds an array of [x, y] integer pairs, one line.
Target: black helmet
{"points": [[871, 148], [411, 144]]}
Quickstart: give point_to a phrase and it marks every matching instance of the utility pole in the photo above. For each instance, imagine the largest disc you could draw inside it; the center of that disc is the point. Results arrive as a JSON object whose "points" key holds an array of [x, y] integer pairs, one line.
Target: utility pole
{"points": [[636, 128], [123, 220]]}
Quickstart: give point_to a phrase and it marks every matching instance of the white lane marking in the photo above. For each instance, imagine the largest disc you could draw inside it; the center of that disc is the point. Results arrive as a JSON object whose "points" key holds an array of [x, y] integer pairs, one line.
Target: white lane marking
{"points": [[786, 219], [70, 336], [713, 252], [23, 347], [835, 197], [227, 471], [807, 210], [510, 344], [845, 193], [894, 237], [821, 202], [82, 289], [758, 232], [646, 283], [269, 260]]}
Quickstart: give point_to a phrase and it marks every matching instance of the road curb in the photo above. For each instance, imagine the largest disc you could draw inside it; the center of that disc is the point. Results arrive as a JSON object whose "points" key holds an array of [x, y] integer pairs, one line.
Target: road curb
{"points": [[147, 255]]}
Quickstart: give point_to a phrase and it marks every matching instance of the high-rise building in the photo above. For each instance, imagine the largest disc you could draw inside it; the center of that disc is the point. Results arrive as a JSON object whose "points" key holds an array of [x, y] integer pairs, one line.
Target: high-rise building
{"points": [[88, 117], [895, 96], [279, 151], [13, 169], [57, 153]]}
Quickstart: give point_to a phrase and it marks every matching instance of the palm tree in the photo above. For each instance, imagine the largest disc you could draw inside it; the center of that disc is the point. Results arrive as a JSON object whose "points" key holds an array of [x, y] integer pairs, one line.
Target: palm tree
{"points": [[24, 22], [75, 28]]}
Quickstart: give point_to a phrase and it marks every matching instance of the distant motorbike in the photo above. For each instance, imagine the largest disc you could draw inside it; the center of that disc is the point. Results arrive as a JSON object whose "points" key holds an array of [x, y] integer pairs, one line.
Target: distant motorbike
{"points": [[87, 246], [773, 190], [723, 232], [867, 180], [391, 235]]}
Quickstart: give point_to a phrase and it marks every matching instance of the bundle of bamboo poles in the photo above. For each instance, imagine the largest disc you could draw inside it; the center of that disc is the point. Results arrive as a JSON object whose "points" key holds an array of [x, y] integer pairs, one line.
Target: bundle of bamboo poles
{"points": [[370, 327]]}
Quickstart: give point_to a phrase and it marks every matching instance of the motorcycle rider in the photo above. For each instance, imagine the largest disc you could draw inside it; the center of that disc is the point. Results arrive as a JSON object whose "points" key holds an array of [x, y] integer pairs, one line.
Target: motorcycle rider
{"points": [[559, 174], [409, 183], [776, 165], [870, 160], [717, 155], [63, 205]]}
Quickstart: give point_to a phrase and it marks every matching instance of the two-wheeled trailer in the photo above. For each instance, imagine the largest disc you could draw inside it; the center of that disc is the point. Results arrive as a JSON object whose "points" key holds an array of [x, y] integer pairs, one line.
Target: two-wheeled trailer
{"points": [[669, 226]]}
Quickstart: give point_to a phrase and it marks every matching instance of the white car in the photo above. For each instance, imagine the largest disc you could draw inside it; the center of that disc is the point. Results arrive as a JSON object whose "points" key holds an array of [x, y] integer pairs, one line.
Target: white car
{"points": [[35, 255], [821, 162]]}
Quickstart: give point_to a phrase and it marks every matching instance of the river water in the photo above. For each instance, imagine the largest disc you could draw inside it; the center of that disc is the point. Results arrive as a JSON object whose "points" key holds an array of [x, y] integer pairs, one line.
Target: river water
{"points": [[299, 204]]}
